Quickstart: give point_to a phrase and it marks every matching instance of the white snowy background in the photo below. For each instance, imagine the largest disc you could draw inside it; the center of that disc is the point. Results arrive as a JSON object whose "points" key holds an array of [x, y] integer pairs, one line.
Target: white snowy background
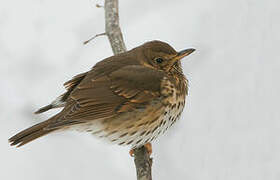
{"points": [[230, 127]]}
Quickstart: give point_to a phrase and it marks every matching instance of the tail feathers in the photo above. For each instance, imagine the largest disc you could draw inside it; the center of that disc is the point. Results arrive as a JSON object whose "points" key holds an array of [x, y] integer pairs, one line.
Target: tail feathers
{"points": [[31, 133], [44, 109], [57, 103]]}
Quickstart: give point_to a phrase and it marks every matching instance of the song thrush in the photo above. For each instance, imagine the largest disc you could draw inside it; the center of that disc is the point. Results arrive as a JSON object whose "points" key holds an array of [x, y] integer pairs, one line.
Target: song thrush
{"points": [[128, 99]]}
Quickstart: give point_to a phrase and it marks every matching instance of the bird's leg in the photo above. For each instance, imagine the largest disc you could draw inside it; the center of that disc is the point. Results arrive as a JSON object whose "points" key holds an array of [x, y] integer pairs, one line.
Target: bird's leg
{"points": [[131, 152], [148, 147]]}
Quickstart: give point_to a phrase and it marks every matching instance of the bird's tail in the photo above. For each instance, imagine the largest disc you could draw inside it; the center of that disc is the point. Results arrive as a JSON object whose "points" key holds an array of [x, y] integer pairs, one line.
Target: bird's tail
{"points": [[32, 133]]}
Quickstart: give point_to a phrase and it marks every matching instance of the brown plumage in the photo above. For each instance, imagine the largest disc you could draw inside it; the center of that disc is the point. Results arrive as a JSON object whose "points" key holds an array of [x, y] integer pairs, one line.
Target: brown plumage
{"points": [[128, 99]]}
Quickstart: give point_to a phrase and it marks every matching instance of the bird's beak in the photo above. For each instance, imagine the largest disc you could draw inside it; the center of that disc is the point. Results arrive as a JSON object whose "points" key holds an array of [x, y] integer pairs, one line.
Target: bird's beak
{"points": [[179, 56], [183, 53]]}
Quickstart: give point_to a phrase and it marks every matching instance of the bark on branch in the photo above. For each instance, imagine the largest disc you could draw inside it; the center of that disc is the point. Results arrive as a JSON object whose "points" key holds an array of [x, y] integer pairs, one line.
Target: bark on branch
{"points": [[143, 164], [112, 26], [142, 160]]}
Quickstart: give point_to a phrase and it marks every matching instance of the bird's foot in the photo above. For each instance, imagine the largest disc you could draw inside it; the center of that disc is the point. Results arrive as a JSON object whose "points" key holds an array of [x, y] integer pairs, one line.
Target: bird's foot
{"points": [[148, 147]]}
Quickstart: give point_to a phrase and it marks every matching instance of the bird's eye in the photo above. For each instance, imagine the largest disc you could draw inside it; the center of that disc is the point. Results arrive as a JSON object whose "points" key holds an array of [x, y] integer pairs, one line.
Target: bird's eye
{"points": [[159, 60]]}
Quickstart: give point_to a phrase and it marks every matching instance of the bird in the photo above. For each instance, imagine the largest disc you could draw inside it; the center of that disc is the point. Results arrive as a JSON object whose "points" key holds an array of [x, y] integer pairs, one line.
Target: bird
{"points": [[127, 99]]}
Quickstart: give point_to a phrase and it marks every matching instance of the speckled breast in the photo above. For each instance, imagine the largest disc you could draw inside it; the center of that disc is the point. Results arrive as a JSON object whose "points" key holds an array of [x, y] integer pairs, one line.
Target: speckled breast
{"points": [[145, 125], [174, 102]]}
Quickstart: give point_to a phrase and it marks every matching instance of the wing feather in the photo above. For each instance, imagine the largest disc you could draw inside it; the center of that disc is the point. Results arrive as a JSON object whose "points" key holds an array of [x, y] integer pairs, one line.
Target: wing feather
{"points": [[104, 97]]}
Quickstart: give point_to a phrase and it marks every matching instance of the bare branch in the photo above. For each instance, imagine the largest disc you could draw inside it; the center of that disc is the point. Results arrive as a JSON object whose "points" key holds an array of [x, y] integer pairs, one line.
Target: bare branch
{"points": [[143, 163], [112, 27], [97, 35], [142, 160]]}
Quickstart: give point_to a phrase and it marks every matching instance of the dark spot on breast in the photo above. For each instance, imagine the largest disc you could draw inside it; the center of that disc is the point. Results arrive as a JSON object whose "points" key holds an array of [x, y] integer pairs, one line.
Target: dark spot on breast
{"points": [[147, 140], [164, 122], [138, 141], [152, 121], [123, 135], [165, 112], [161, 123], [142, 133], [142, 124], [130, 126], [113, 140], [159, 132], [154, 129], [129, 142], [148, 132], [121, 143], [134, 132], [178, 105], [111, 133]]}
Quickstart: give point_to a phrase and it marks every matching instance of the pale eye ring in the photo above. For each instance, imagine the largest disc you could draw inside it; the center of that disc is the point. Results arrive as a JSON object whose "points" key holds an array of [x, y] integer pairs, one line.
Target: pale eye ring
{"points": [[159, 60]]}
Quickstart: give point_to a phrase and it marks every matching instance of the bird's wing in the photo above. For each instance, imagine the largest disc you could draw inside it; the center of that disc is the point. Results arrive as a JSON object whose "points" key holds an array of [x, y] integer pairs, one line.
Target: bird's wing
{"points": [[119, 91], [102, 68]]}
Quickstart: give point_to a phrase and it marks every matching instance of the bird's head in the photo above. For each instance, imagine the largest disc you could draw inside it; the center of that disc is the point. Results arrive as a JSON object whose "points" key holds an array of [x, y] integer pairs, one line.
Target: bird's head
{"points": [[161, 56]]}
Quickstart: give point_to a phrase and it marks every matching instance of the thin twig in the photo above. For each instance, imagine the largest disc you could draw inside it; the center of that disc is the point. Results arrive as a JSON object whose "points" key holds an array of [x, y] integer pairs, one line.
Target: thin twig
{"points": [[142, 160], [97, 35]]}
